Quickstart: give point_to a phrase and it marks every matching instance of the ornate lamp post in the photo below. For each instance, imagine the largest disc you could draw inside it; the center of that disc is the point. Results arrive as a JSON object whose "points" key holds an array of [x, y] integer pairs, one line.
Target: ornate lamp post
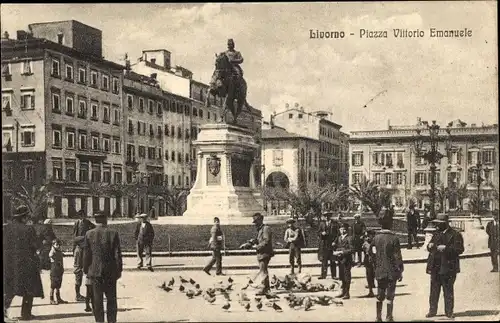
{"points": [[432, 156]]}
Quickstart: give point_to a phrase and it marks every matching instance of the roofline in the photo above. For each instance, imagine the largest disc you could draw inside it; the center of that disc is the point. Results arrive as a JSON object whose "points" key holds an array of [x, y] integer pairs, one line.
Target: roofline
{"points": [[290, 138], [156, 50], [60, 21], [309, 113]]}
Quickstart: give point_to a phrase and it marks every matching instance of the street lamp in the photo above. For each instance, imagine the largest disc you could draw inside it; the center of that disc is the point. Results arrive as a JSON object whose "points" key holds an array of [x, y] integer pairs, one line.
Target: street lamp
{"points": [[433, 156]]}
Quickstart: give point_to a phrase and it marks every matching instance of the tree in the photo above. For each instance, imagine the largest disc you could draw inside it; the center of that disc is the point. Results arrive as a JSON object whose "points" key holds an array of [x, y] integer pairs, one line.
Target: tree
{"points": [[442, 194], [461, 193], [371, 195], [175, 198], [37, 200]]}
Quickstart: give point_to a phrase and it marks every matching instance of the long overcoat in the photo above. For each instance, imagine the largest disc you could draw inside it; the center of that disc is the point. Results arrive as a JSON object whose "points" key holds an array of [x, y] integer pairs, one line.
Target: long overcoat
{"points": [[325, 247], [21, 273]]}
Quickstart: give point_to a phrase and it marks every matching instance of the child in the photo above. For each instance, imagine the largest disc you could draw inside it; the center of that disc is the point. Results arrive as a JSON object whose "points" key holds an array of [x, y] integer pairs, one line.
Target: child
{"points": [[369, 261], [56, 272], [294, 238], [88, 297]]}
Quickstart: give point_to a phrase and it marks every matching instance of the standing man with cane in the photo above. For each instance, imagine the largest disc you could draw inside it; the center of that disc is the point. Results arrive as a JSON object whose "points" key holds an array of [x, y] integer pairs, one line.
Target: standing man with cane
{"points": [[79, 230]]}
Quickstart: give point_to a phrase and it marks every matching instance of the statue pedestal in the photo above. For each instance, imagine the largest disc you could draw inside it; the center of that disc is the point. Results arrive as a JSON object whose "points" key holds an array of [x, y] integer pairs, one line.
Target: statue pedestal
{"points": [[225, 183]]}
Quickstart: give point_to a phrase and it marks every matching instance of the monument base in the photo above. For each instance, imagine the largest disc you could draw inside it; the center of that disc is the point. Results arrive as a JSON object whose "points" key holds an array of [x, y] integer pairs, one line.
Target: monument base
{"points": [[225, 183]]}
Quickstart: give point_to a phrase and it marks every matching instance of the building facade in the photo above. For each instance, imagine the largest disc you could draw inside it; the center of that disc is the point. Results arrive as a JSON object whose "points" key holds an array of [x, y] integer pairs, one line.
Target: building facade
{"points": [[388, 158], [333, 144], [68, 104]]}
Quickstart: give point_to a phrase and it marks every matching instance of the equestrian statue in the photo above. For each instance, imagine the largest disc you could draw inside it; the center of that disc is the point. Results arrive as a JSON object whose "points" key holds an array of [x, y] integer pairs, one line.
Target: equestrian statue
{"points": [[228, 82]]}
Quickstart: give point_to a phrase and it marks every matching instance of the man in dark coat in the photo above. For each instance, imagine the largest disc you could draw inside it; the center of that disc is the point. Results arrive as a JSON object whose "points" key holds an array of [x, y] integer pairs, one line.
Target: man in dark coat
{"points": [[102, 263], [21, 275], [493, 232], [328, 232], [144, 235], [388, 266], [343, 252], [412, 225], [46, 237], [443, 264], [79, 230], [358, 230], [216, 244]]}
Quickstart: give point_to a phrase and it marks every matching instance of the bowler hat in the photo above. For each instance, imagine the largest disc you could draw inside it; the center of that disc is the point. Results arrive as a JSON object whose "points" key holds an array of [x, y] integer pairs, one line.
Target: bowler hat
{"points": [[357, 215], [441, 218], [328, 213], [256, 217], [21, 211], [345, 225], [290, 221], [142, 215]]}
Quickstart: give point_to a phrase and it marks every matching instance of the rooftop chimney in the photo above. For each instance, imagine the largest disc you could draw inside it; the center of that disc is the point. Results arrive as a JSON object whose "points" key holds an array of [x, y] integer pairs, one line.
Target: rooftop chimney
{"points": [[6, 35], [153, 76], [22, 35]]}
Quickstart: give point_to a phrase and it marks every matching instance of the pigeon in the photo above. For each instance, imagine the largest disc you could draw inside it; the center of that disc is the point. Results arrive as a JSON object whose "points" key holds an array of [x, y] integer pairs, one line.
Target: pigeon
{"points": [[307, 303], [192, 281], [184, 281], [229, 287], [171, 282], [257, 299], [250, 281], [226, 306], [230, 280], [167, 289], [243, 297], [181, 288], [226, 295], [211, 300], [190, 293], [198, 292], [163, 286], [247, 307], [277, 308], [259, 306], [245, 287], [272, 296], [197, 286]]}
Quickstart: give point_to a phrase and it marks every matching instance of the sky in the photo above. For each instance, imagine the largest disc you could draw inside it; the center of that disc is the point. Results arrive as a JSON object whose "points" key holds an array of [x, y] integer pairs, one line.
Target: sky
{"points": [[439, 79]]}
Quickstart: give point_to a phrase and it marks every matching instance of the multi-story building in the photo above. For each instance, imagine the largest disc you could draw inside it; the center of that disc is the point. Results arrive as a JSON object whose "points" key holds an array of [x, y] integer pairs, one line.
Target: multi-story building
{"points": [[62, 113], [388, 158], [290, 160], [317, 125]]}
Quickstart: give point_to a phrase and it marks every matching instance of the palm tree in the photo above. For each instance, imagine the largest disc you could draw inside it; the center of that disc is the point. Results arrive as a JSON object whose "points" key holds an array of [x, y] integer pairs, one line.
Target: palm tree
{"points": [[371, 195], [175, 198], [37, 200]]}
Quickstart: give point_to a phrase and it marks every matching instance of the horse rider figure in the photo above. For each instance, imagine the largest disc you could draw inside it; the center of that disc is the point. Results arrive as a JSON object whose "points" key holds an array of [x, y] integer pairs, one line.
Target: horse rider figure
{"points": [[234, 58]]}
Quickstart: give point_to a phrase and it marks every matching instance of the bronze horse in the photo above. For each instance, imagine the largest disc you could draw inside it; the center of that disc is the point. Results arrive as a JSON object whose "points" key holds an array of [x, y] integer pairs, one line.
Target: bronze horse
{"points": [[228, 86]]}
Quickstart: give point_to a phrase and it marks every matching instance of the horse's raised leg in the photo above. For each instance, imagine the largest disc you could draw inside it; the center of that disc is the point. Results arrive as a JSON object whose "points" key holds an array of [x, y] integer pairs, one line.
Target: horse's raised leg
{"points": [[224, 109]]}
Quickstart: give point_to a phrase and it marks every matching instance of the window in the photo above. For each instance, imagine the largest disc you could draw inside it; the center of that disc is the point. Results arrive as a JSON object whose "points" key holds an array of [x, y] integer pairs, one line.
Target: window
{"points": [[82, 109], [151, 153], [6, 69], [130, 101], [105, 113], [82, 75], [105, 82], [70, 109], [106, 144], [56, 138], [70, 139], [187, 111], [166, 130], [357, 159], [95, 142], [356, 178], [130, 127], [488, 156], [93, 78], [130, 152], [160, 153], [186, 134], [300, 115], [172, 156], [400, 178], [173, 180], [302, 157], [56, 104], [26, 68], [57, 169], [6, 103], [150, 106], [195, 112], [159, 109], [172, 131], [116, 116], [116, 87], [142, 151], [117, 175], [27, 100], [201, 113], [94, 111], [55, 68], [166, 155], [399, 157], [82, 141], [290, 116], [158, 132], [28, 173], [377, 178], [382, 159], [179, 157], [141, 104], [70, 170], [106, 174], [96, 173], [420, 178], [28, 137], [69, 72], [151, 130], [309, 158], [116, 145], [179, 132], [388, 179], [7, 173]]}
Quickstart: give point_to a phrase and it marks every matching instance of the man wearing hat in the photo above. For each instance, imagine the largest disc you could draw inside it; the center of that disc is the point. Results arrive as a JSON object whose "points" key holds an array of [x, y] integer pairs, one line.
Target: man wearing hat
{"points": [[443, 264], [102, 263], [21, 275], [234, 58], [493, 232], [144, 235], [358, 230], [412, 224], [216, 244], [388, 265], [264, 246], [294, 238], [328, 232], [79, 230], [343, 252]]}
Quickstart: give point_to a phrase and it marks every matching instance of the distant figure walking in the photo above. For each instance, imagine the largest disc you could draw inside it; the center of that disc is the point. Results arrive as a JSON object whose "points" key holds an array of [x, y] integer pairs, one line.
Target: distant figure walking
{"points": [[102, 263], [79, 230], [216, 244], [493, 232], [144, 235], [21, 273], [412, 226]]}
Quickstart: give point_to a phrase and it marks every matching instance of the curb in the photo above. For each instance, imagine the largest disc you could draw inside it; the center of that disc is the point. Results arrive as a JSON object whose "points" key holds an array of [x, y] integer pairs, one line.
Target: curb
{"points": [[274, 266]]}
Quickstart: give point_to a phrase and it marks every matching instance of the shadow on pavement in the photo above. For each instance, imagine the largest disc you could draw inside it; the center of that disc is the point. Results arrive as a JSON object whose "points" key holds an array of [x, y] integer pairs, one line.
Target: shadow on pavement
{"points": [[48, 304], [161, 266], [402, 294], [477, 313], [60, 316], [130, 309]]}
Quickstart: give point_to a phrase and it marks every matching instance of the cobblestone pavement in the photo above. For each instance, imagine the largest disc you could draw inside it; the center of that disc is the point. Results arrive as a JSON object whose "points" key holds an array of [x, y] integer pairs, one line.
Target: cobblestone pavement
{"points": [[477, 296]]}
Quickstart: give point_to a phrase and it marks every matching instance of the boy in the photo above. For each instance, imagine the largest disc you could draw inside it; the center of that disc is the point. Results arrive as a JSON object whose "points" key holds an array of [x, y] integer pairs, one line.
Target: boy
{"points": [[343, 252], [369, 261], [56, 272], [294, 238]]}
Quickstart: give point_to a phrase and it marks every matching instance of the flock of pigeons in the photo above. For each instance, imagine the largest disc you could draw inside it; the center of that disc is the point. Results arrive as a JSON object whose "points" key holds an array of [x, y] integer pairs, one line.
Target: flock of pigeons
{"points": [[289, 283]]}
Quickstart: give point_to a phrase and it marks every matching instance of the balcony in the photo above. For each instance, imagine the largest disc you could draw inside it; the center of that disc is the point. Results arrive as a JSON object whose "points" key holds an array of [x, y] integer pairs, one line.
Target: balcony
{"points": [[91, 155]]}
